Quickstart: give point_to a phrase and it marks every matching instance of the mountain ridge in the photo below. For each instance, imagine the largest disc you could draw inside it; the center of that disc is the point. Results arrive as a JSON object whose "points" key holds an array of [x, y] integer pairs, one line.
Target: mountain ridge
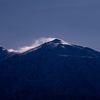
{"points": [[51, 71], [4, 54], [60, 45]]}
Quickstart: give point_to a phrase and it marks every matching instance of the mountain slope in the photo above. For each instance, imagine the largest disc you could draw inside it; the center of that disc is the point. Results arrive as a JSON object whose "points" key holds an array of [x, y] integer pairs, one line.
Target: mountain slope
{"points": [[52, 71], [5, 54]]}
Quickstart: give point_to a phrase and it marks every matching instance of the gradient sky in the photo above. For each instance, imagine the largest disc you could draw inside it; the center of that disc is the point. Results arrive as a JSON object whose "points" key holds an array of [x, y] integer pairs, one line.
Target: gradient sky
{"points": [[74, 21]]}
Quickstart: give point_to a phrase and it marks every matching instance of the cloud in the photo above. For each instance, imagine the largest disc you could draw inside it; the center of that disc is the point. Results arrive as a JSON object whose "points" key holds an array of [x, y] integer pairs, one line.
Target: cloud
{"points": [[35, 44]]}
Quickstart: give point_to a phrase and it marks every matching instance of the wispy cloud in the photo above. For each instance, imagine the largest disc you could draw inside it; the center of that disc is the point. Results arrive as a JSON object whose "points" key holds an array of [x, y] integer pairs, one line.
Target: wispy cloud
{"points": [[35, 44]]}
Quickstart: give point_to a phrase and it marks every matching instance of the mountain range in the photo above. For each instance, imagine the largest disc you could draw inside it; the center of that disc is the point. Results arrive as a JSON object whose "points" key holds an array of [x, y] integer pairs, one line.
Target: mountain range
{"points": [[54, 70]]}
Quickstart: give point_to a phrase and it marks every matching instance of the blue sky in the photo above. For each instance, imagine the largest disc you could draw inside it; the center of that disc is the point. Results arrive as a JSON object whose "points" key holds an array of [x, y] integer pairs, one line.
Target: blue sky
{"points": [[74, 21]]}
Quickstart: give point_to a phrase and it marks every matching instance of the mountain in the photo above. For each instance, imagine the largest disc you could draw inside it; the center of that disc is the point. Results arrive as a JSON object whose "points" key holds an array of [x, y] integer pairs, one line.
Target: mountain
{"points": [[54, 70], [5, 54]]}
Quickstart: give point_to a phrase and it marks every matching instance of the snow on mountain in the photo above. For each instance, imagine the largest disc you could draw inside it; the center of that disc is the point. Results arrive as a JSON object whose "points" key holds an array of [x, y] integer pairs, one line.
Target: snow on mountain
{"points": [[60, 47], [54, 70]]}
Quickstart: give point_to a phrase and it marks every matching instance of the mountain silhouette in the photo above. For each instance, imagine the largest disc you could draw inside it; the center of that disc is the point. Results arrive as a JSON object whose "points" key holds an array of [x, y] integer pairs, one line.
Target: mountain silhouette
{"points": [[55, 70]]}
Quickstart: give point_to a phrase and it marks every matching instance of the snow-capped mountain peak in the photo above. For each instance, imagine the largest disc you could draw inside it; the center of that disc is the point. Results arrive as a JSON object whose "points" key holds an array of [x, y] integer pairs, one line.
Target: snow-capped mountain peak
{"points": [[59, 41], [50, 44], [60, 47]]}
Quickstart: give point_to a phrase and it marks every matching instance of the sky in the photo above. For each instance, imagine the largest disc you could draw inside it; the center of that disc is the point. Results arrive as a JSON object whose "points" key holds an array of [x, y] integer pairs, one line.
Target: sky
{"points": [[74, 21]]}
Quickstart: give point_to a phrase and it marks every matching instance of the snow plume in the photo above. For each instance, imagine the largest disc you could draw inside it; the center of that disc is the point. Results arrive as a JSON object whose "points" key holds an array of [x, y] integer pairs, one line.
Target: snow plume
{"points": [[35, 44]]}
